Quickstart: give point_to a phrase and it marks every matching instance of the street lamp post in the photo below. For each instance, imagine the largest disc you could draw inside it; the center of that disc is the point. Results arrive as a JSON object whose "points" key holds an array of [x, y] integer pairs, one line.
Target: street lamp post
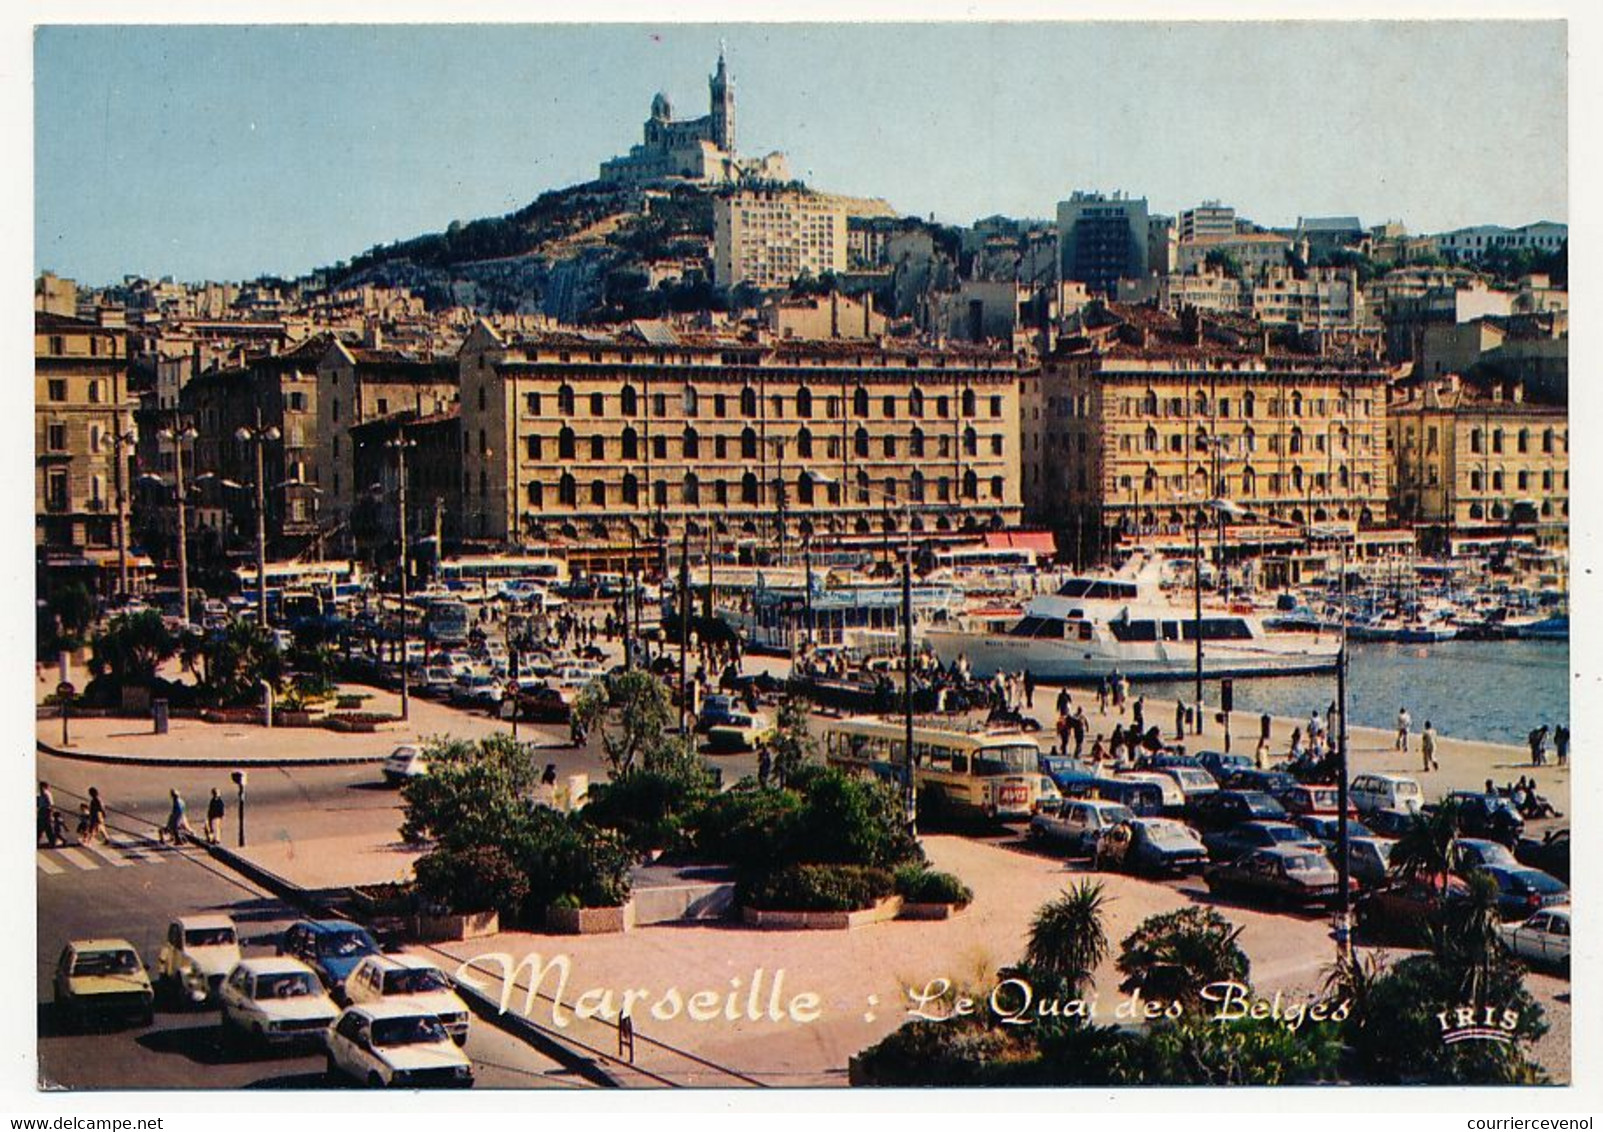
{"points": [[178, 434], [1343, 846], [121, 440], [258, 436], [399, 445]]}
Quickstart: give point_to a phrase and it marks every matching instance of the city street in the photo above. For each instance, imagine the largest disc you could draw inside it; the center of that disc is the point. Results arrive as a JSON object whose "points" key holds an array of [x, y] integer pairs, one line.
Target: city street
{"points": [[130, 890]]}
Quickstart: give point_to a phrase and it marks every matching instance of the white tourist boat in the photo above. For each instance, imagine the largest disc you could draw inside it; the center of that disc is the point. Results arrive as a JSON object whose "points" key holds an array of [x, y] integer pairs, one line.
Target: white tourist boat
{"points": [[1094, 626]]}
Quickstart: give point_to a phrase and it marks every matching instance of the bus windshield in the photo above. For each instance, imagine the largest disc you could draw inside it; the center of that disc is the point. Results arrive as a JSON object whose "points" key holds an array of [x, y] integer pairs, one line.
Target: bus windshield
{"points": [[1015, 758]]}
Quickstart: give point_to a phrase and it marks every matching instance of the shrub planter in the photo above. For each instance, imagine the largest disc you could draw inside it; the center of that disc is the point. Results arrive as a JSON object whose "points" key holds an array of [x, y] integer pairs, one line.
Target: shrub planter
{"points": [[362, 721], [232, 715], [352, 702], [779, 920], [455, 926], [929, 911], [283, 718], [590, 921]]}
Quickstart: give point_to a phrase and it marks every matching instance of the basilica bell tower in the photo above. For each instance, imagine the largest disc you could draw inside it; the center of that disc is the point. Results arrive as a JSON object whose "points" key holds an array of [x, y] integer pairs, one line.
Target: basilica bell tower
{"points": [[723, 105]]}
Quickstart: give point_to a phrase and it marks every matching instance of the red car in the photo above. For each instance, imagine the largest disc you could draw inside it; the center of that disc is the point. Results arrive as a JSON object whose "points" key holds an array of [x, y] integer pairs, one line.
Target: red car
{"points": [[1300, 801], [1403, 911]]}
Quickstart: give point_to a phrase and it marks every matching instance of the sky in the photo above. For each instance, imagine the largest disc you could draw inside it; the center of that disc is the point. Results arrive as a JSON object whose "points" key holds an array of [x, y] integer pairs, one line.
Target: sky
{"points": [[230, 152]]}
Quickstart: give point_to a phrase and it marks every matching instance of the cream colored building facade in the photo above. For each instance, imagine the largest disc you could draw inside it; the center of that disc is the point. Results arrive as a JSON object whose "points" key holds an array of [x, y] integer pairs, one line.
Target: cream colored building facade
{"points": [[599, 440], [1480, 458], [770, 237]]}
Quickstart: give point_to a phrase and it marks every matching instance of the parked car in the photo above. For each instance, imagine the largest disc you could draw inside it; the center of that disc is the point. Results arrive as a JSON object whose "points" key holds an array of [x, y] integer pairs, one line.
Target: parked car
{"points": [[1269, 782], [1228, 844], [384, 1044], [1522, 891], [1292, 874], [1370, 792], [1172, 798], [1543, 939], [541, 703], [103, 979], [1145, 798], [1194, 782], [1368, 860], [1223, 764], [403, 764], [1324, 827], [1550, 853], [332, 948], [413, 980], [1303, 799], [742, 731], [1152, 845], [1485, 815], [1072, 777], [1225, 808], [1402, 911], [1077, 824], [437, 682], [1471, 853], [1390, 824], [275, 1001], [196, 956], [715, 709]]}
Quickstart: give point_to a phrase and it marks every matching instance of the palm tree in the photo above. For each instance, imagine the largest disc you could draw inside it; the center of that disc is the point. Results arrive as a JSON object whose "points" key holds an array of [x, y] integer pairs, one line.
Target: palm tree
{"points": [[1426, 849], [1173, 956], [1067, 938], [1467, 939], [132, 648]]}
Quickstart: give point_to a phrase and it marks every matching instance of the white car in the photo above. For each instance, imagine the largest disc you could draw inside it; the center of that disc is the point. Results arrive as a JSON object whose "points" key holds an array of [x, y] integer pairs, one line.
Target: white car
{"points": [[1543, 939], [1193, 783], [1077, 823], [275, 1000], [1174, 798], [403, 764], [1369, 792], [413, 980], [196, 956], [395, 1044]]}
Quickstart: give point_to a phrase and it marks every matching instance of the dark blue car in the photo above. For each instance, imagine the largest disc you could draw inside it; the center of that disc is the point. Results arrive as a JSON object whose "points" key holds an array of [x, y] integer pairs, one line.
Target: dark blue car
{"points": [[1522, 892], [1225, 808], [1228, 844], [1073, 778], [332, 948]]}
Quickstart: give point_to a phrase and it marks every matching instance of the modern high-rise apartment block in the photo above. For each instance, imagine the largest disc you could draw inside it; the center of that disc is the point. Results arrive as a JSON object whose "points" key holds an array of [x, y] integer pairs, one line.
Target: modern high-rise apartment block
{"points": [[1102, 239], [1210, 218], [770, 237]]}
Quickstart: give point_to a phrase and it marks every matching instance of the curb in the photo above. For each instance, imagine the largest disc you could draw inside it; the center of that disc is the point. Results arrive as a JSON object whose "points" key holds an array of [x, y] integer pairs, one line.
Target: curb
{"points": [[520, 1028], [205, 761]]}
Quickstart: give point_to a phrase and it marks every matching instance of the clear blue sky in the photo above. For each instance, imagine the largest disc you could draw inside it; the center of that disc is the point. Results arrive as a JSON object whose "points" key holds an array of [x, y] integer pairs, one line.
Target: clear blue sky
{"points": [[227, 152]]}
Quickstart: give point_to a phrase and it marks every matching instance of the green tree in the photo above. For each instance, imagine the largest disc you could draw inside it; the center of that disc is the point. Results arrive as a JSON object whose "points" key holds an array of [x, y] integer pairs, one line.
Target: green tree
{"points": [[72, 608], [239, 661], [645, 715], [132, 647], [1067, 937], [474, 794], [1171, 957], [792, 745], [1425, 850]]}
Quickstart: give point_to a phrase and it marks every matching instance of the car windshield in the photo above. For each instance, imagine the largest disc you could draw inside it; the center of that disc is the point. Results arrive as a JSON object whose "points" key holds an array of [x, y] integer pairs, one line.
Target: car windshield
{"points": [[288, 984], [121, 962], [1113, 815], [1168, 833], [414, 1029], [1286, 833], [1011, 759], [343, 943], [1306, 863], [209, 937], [414, 981]]}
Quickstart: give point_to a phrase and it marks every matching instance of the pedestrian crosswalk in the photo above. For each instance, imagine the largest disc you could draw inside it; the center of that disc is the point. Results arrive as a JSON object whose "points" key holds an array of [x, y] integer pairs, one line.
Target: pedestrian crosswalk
{"points": [[119, 852]]}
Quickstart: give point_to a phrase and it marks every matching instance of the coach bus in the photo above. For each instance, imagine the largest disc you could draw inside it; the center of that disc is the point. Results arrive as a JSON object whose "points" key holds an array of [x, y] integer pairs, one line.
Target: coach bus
{"points": [[994, 774]]}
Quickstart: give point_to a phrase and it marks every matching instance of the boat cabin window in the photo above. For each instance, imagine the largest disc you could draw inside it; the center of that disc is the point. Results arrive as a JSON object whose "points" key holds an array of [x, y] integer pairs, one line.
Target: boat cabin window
{"points": [[1098, 590], [1218, 629], [1171, 631], [1037, 627], [1128, 631]]}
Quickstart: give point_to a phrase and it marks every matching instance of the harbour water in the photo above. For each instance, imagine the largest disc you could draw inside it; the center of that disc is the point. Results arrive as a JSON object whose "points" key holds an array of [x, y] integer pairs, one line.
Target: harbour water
{"points": [[1494, 691]]}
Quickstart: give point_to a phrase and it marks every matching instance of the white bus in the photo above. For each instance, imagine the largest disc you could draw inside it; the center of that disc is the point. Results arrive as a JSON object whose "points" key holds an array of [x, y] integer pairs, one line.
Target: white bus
{"points": [[995, 774], [490, 572]]}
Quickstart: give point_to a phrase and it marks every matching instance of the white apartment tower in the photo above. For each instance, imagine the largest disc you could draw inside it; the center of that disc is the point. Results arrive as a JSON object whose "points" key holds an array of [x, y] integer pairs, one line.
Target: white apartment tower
{"points": [[770, 237]]}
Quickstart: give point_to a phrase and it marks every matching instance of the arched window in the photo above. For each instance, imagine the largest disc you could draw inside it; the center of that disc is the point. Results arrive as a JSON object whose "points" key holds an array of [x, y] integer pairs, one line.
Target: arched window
{"points": [[565, 443], [567, 491], [748, 402], [862, 486], [1249, 404], [915, 486], [748, 488], [888, 489], [692, 489], [996, 487], [564, 400], [1149, 403], [1497, 481], [1202, 440], [915, 403], [1201, 404], [692, 445], [631, 489], [971, 442], [1149, 442], [1524, 440], [1249, 482], [629, 401], [598, 405], [1296, 477], [890, 446], [536, 494], [860, 441], [598, 493], [804, 403], [804, 489], [971, 485], [1296, 404], [598, 447], [1476, 511], [690, 403], [1296, 440], [1475, 481], [1250, 440], [1547, 437], [748, 444], [1343, 477], [631, 444], [804, 443], [915, 443], [968, 402], [860, 402]]}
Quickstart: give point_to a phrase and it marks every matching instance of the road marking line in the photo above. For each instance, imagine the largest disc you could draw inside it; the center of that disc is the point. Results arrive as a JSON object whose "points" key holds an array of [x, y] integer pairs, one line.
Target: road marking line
{"points": [[49, 867], [72, 856], [115, 860]]}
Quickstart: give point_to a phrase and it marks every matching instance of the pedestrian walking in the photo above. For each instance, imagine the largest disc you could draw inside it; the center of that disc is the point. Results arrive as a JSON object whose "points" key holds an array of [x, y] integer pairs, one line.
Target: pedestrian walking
{"points": [[1138, 713], [177, 821], [1102, 694], [1063, 734], [1538, 742], [1063, 701], [97, 819], [214, 817], [1179, 719], [1264, 723], [1403, 724], [44, 808], [1122, 695], [1260, 758], [1080, 725], [1561, 744], [1427, 748], [1029, 689]]}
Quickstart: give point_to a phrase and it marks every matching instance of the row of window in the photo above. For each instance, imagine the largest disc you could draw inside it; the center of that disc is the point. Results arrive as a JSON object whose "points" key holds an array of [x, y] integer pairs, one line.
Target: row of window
{"points": [[1522, 440], [1151, 405], [1523, 480], [630, 446], [1294, 443], [1297, 480], [748, 491], [56, 390], [804, 402]]}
